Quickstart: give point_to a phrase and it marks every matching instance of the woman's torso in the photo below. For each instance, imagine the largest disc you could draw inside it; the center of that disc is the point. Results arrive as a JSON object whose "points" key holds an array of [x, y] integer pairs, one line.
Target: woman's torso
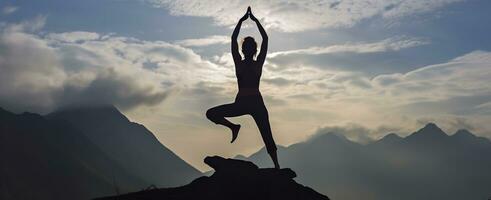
{"points": [[248, 75]]}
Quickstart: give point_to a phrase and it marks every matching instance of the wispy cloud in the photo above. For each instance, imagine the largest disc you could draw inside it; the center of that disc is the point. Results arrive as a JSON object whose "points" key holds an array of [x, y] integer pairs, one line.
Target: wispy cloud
{"points": [[390, 44], [351, 56], [462, 76], [292, 16], [32, 25], [210, 40], [7, 10], [76, 36]]}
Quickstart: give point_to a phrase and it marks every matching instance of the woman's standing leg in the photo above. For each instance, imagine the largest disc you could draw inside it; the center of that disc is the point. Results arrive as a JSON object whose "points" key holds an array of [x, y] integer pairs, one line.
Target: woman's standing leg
{"points": [[217, 115], [261, 117]]}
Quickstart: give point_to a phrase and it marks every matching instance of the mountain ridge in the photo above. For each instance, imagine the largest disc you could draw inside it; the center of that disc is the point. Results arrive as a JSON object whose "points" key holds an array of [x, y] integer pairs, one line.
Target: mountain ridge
{"points": [[60, 154], [70, 153], [131, 144], [427, 164]]}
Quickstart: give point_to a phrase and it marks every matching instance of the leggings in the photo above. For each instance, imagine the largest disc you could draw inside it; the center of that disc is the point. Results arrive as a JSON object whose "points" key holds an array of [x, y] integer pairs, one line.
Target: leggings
{"points": [[243, 105]]}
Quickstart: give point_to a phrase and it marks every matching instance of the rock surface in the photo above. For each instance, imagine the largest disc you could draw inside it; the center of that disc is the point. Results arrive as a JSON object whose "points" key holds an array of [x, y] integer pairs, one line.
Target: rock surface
{"points": [[234, 179]]}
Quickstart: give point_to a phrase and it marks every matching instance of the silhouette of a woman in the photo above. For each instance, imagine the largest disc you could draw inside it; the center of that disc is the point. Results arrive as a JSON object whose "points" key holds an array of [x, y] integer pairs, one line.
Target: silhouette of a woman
{"points": [[248, 100]]}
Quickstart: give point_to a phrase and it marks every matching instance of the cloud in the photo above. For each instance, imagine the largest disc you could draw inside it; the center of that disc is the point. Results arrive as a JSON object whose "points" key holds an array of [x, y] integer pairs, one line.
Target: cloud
{"points": [[43, 71], [26, 26], [7, 10], [113, 87], [390, 44], [293, 16], [485, 106], [356, 57], [466, 75], [210, 40], [73, 37], [31, 73], [408, 7], [279, 81], [460, 81]]}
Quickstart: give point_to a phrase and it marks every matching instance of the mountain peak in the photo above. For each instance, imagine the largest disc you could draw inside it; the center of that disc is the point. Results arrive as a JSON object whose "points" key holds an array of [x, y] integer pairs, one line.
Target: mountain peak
{"points": [[431, 126], [391, 137], [388, 139], [463, 133], [104, 111], [429, 131]]}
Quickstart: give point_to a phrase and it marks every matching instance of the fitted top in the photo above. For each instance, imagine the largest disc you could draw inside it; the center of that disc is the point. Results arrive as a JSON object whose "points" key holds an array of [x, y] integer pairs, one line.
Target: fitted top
{"points": [[248, 77]]}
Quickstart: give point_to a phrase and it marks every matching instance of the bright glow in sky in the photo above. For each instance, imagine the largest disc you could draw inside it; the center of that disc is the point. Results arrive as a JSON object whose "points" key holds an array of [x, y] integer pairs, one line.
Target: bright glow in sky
{"points": [[375, 65]]}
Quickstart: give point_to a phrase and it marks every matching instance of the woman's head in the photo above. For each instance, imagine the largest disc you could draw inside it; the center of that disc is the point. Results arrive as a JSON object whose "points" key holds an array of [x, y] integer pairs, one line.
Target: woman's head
{"points": [[249, 47]]}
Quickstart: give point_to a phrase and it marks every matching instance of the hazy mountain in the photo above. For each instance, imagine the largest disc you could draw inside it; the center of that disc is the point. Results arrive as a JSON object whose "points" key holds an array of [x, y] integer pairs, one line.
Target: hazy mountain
{"points": [[130, 144], [389, 139], [428, 164], [50, 159], [86, 152], [61, 156]]}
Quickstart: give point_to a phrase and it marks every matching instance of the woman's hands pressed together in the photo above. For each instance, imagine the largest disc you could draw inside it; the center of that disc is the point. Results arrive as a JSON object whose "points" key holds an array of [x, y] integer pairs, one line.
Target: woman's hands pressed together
{"points": [[249, 12], [243, 18]]}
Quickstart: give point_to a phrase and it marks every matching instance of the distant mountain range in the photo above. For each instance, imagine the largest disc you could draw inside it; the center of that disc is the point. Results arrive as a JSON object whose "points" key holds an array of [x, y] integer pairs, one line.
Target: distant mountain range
{"points": [[82, 153], [426, 165], [87, 152]]}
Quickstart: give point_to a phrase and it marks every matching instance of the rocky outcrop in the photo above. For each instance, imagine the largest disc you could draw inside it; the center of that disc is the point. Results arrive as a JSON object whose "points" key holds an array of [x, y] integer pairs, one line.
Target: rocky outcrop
{"points": [[234, 179]]}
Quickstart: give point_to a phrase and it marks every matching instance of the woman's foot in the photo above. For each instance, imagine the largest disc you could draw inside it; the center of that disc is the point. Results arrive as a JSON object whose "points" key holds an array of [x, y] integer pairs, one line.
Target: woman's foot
{"points": [[277, 166], [235, 132], [274, 157]]}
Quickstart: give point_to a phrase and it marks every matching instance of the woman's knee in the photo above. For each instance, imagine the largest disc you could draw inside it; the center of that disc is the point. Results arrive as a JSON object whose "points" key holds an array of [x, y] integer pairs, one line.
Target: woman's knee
{"points": [[211, 114]]}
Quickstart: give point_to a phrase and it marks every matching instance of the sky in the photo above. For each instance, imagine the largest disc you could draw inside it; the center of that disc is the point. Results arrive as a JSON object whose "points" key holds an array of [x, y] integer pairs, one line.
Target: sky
{"points": [[364, 68]]}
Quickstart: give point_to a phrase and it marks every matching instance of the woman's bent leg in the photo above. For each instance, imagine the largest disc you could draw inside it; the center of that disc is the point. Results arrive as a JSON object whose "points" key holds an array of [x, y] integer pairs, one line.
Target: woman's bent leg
{"points": [[217, 115], [262, 120]]}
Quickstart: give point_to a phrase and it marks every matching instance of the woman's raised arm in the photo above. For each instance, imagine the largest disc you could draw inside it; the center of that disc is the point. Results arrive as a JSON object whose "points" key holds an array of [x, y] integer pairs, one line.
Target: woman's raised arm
{"points": [[235, 35], [264, 45]]}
